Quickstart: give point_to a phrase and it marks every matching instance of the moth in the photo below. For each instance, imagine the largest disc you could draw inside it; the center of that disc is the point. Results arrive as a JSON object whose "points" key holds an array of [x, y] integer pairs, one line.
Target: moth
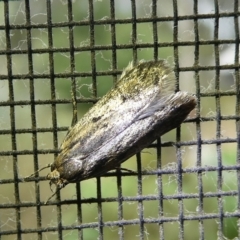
{"points": [[142, 106]]}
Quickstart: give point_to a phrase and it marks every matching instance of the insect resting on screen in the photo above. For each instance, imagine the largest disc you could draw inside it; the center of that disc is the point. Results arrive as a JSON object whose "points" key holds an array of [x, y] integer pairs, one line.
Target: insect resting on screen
{"points": [[141, 107]]}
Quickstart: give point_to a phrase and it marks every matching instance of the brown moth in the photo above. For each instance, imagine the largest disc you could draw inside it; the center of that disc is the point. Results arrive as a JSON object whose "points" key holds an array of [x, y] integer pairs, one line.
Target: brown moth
{"points": [[141, 107]]}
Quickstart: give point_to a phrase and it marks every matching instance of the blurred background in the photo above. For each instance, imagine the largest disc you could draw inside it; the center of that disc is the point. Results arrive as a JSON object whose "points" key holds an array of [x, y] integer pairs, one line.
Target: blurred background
{"points": [[187, 186]]}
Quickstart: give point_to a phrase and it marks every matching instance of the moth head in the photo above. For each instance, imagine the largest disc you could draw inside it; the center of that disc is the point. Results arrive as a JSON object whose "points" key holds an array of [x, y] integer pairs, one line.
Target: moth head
{"points": [[54, 177]]}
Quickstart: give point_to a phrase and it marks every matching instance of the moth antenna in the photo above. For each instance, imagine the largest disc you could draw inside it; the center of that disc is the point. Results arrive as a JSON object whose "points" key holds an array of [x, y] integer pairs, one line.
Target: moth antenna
{"points": [[74, 105], [39, 170]]}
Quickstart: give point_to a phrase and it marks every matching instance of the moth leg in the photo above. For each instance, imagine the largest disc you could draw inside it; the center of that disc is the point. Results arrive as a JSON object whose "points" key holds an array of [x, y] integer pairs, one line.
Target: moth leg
{"points": [[125, 170], [57, 190]]}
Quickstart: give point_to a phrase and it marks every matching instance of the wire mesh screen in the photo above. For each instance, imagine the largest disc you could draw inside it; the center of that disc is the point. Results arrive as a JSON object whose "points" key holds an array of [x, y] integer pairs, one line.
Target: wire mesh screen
{"points": [[185, 185]]}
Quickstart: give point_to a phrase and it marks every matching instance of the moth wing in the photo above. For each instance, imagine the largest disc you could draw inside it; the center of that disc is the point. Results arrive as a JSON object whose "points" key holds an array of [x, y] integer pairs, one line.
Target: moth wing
{"points": [[156, 105]]}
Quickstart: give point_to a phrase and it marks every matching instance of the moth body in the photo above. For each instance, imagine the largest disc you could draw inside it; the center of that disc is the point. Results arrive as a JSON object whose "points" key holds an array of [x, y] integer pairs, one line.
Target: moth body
{"points": [[141, 107]]}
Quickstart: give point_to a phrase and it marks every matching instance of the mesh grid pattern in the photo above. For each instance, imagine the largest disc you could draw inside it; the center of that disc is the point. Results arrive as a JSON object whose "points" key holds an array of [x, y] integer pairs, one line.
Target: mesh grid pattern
{"points": [[186, 184]]}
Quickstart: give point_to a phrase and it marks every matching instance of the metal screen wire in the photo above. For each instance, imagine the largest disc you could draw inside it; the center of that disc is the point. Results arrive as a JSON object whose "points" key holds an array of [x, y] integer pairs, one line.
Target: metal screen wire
{"points": [[185, 185]]}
